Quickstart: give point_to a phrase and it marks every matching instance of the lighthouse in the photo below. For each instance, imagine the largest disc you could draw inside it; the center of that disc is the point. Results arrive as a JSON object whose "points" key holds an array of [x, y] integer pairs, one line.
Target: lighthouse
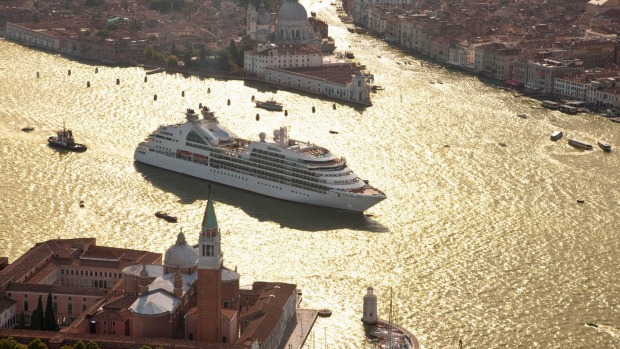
{"points": [[370, 307]]}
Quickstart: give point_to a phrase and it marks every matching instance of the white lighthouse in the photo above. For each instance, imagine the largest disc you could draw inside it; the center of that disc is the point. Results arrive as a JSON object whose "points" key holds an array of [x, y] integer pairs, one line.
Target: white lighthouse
{"points": [[370, 307]]}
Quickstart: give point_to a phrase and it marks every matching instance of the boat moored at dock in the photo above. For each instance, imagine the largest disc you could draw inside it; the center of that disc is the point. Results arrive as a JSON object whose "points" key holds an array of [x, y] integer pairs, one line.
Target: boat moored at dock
{"points": [[282, 168], [550, 104]]}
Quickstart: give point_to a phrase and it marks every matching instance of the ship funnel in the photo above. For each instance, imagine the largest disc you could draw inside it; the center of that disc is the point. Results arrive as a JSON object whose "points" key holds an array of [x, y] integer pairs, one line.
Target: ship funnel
{"points": [[283, 137]]}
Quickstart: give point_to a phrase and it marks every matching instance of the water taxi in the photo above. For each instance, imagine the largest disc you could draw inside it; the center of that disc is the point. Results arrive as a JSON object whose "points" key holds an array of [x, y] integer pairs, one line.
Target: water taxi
{"points": [[556, 135], [564, 108], [166, 216], [270, 105], [604, 145], [579, 144], [550, 104]]}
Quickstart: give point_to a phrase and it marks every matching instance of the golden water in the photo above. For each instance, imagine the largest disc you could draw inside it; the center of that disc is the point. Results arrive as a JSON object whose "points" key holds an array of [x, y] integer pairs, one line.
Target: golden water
{"points": [[479, 241]]}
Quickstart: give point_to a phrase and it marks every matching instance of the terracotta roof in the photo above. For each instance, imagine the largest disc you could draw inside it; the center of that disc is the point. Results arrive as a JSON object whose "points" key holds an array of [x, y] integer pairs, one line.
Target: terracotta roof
{"points": [[336, 73], [273, 298], [122, 302], [229, 314], [5, 303]]}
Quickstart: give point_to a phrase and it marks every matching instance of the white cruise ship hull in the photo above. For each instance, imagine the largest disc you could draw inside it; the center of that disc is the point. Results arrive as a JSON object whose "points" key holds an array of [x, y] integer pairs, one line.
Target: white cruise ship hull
{"points": [[340, 200]]}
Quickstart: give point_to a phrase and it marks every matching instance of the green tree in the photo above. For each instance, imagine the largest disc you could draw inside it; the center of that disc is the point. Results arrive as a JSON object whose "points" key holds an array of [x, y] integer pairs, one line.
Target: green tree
{"points": [[50, 317], [104, 33], [8, 343], [149, 51], [92, 345], [145, 347], [223, 59], [36, 344], [34, 320], [66, 346], [79, 345], [22, 320], [172, 60], [187, 58], [41, 315]]}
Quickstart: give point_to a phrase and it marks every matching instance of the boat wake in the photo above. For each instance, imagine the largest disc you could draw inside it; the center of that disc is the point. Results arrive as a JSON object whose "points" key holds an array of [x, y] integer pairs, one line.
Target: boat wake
{"points": [[614, 332]]}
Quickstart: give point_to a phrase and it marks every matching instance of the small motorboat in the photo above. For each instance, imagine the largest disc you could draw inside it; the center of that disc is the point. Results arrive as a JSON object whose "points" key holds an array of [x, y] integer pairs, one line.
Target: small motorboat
{"points": [[592, 324], [166, 216], [556, 135], [270, 104], [27, 129], [64, 140], [522, 116], [325, 313], [333, 132], [604, 145], [579, 144]]}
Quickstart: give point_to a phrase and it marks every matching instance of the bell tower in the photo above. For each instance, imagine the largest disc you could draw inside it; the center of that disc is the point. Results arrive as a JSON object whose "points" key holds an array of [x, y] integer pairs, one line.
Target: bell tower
{"points": [[209, 297]]}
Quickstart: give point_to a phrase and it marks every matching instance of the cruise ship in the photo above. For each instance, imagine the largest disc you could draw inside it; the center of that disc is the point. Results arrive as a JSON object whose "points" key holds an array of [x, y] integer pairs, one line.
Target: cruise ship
{"points": [[283, 168]]}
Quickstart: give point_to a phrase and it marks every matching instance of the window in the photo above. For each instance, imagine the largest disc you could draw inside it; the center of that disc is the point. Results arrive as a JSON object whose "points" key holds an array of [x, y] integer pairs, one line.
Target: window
{"points": [[69, 308], [26, 305]]}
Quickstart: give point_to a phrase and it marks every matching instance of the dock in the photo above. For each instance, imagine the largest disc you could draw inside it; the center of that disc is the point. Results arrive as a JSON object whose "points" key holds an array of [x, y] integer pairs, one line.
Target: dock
{"points": [[296, 333]]}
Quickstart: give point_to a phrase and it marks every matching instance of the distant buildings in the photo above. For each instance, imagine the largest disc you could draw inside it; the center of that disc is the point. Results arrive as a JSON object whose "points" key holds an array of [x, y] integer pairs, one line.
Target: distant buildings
{"points": [[288, 54], [121, 297]]}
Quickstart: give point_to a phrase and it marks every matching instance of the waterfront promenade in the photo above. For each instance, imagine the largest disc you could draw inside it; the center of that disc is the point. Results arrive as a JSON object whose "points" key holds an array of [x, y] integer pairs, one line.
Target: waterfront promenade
{"points": [[297, 332]]}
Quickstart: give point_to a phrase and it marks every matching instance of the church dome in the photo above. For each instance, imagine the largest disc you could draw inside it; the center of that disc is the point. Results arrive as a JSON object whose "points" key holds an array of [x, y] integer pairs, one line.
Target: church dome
{"points": [[264, 17], [181, 254], [292, 10]]}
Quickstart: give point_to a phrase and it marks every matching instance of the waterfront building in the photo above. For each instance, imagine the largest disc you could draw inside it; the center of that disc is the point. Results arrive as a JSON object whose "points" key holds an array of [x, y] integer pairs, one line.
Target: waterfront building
{"points": [[294, 59], [539, 75], [42, 38], [571, 87], [496, 60], [126, 297]]}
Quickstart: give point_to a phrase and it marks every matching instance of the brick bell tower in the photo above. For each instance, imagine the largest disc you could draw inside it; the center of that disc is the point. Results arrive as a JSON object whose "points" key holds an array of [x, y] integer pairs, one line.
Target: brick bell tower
{"points": [[209, 297]]}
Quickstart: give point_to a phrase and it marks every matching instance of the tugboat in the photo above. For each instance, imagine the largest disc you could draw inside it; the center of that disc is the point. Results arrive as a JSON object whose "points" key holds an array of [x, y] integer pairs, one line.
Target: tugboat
{"points": [[270, 105], [64, 140], [166, 216]]}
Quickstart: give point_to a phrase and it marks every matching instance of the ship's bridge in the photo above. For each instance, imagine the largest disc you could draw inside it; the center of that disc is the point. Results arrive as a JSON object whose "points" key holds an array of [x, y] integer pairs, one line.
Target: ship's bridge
{"points": [[215, 133]]}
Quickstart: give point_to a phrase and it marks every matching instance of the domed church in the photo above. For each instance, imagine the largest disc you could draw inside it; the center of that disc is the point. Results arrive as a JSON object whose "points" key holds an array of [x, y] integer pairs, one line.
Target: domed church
{"points": [[292, 26], [193, 297], [289, 53]]}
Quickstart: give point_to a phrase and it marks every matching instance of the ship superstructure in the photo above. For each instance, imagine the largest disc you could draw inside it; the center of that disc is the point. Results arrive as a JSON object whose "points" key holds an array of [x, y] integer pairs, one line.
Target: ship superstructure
{"points": [[283, 168]]}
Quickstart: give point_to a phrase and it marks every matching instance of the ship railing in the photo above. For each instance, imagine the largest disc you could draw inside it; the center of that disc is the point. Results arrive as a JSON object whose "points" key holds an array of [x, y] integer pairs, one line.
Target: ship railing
{"points": [[271, 176]]}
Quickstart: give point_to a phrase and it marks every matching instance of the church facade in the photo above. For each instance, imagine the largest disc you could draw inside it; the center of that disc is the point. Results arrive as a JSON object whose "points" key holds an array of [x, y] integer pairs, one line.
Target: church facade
{"points": [[287, 53]]}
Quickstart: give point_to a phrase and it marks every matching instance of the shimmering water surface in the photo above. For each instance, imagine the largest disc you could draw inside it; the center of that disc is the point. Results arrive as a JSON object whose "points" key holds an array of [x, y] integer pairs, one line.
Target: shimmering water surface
{"points": [[479, 241]]}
